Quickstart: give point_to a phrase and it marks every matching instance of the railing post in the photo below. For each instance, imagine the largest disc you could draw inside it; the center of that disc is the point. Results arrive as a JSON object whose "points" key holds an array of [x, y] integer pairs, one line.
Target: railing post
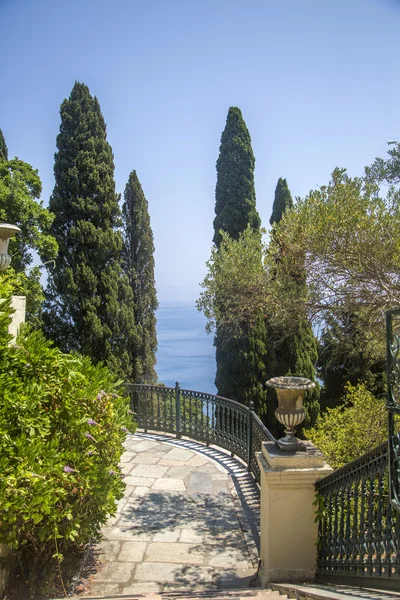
{"points": [[249, 435], [178, 410]]}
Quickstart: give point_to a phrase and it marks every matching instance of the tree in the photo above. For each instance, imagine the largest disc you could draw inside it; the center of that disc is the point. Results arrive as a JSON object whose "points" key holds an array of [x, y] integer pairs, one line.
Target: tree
{"points": [[345, 237], [348, 353], [235, 196], [3, 147], [294, 354], [89, 299], [240, 363], [282, 201], [139, 268], [20, 189]]}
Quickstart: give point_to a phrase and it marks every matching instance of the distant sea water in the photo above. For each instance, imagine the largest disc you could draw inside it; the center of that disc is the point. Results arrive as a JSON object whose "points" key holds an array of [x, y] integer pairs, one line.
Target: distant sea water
{"points": [[185, 351]]}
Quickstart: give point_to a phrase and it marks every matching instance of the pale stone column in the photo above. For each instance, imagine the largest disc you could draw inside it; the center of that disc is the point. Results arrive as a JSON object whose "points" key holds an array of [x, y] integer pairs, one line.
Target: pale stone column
{"points": [[288, 531], [18, 317]]}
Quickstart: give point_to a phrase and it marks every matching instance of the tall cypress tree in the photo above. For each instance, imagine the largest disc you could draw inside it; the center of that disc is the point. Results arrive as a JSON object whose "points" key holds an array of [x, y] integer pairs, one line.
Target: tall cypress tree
{"points": [[139, 267], [89, 301], [240, 362], [3, 147], [235, 195], [294, 354], [282, 201]]}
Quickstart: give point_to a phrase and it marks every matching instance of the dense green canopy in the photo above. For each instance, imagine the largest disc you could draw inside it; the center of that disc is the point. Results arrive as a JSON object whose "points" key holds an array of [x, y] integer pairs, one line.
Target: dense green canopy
{"points": [[90, 301], [139, 268], [235, 196], [282, 201], [3, 147], [240, 363]]}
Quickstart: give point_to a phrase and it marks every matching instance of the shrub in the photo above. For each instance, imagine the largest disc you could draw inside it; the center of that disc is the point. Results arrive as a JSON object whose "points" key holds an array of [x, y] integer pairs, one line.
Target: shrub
{"points": [[62, 427], [346, 432]]}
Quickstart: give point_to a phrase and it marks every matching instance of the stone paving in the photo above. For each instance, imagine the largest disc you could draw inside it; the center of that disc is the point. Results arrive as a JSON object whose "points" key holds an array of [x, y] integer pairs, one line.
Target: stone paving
{"points": [[188, 520]]}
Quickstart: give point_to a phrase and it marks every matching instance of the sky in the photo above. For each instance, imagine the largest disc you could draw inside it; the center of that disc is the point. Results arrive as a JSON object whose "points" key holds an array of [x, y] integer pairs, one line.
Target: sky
{"points": [[318, 83]]}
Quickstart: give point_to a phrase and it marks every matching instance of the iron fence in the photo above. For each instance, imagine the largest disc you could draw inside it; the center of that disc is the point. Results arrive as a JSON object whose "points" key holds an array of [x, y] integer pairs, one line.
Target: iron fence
{"points": [[203, 417], [359, 529]]}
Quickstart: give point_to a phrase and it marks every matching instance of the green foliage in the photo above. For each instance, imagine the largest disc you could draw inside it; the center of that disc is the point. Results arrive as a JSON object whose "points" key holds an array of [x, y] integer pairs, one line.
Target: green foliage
{"points": [[282, 201], [89, 300], [294, 352], [139, 268], [241, 349], [241, 370], [20, 189], [343, 239], [240, 362], [344, 235], [3, 147], [235, 265], [235, 196], [349, 353], [28, 285], [347, 431], [62, 424]]}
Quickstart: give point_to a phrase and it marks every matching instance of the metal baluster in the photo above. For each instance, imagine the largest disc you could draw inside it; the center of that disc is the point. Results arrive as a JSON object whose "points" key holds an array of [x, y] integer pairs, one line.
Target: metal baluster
{"points": [[347, 531], [341, 526], [370, 535], [146, 409], [355, 530], [171, 398], [202, 418], [379, 542], [178, 411], [249, 436], [363, 547], [158, 411], [165, 419], [212, 433], [190, 414]]}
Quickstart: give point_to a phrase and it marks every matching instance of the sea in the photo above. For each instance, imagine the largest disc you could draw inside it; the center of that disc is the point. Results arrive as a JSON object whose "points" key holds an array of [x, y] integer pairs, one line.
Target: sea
{"points": [[186, 353]]}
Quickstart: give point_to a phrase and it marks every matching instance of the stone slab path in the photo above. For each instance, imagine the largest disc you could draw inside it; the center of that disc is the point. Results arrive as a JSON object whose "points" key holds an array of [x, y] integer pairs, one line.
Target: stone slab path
{"points": [[188, 521]]}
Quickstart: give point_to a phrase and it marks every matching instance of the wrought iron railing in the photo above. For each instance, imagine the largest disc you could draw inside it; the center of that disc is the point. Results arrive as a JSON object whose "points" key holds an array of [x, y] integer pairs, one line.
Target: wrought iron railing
{"points": [[359, 529], [204, 417]]}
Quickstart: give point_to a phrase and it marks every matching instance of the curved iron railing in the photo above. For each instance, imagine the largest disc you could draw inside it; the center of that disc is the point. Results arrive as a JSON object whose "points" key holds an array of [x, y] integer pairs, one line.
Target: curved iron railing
{"points": [[203, 417], [359, 529]]}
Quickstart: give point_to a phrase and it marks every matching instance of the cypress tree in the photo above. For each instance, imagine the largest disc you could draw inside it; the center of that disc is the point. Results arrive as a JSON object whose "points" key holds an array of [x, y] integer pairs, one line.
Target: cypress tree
{"points": [[235, 195], [139, 267], [3, 147], [294, 354], [240, 362], [89, 301], [282, 201]]}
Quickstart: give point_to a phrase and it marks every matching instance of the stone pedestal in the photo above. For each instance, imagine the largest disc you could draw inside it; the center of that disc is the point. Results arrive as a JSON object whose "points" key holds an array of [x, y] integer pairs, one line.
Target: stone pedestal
{"points": [[288, 531], [18, 317]]}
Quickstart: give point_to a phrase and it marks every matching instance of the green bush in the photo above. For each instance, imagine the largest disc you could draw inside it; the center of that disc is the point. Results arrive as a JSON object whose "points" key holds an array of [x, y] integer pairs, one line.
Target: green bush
{"points": [[62, 427], [346, 432]]}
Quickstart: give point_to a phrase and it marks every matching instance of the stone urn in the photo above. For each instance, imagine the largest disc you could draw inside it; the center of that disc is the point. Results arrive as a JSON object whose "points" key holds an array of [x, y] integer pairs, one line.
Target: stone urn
{"points": [[6, 232], [290, 411]]}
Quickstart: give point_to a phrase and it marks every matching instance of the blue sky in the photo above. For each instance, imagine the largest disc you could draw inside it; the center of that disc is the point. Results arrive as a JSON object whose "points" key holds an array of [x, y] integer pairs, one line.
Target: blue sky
{"points": [[317, 81]]}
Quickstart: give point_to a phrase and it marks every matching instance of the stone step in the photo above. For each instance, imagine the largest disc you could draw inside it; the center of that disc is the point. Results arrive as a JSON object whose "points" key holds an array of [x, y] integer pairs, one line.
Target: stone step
{"points": [[256, 593], [332, 592]]}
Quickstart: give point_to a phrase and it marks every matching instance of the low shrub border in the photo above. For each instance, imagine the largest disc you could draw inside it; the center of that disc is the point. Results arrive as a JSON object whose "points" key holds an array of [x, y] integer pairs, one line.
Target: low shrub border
{"points": [[62, 426]]}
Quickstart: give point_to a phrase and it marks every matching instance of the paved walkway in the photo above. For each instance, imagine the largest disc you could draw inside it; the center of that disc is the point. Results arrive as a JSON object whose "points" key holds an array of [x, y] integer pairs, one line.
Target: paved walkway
{"points": [[188, 520]]}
